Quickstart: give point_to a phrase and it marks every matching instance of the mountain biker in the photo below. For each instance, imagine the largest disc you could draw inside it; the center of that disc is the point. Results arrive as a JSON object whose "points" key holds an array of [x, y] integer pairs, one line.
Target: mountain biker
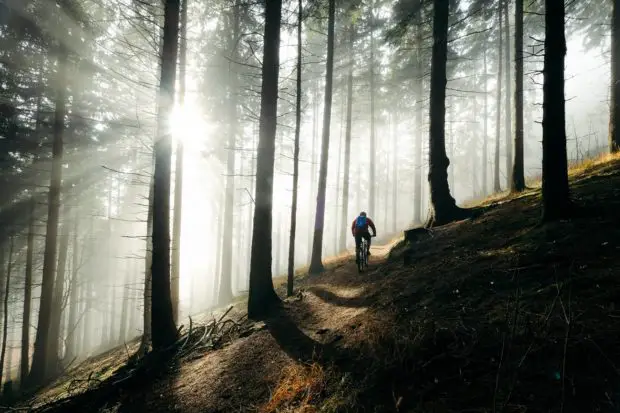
{"points": [[359, 228]]}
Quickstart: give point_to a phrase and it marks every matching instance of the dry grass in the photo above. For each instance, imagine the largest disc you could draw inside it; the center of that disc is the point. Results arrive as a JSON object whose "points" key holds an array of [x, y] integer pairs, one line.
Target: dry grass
{"points": [[298, 389], [534, 182]]}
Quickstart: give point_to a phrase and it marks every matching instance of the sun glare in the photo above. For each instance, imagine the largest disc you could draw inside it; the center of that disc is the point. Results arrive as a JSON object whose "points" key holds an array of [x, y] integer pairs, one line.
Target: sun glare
{"points": [[188, 125]]}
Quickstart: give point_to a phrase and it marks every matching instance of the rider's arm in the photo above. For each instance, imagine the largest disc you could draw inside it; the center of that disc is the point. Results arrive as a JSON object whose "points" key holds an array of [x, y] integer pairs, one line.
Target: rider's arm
{"points": [[372, 225], [353, 228]]}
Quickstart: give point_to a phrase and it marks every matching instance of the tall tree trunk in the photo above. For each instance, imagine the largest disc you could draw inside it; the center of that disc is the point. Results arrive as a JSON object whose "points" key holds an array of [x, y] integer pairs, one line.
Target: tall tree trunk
{"points": [[163, 328], [518, 170], [124, 320], [178, 175], [148, 279], [291, 243], [485, 133], [59, 293], [419, 126], [395, 161], [508, 108], [496, 182], [262, 294], [372, 204], [614, 118], [555, 191], [451, 133], [38, 373], [5, 308], [217, 279], [347, 145], [443, 206], [315, 134], [225, 293], [316, 264], [25, 347], [71, 351]]}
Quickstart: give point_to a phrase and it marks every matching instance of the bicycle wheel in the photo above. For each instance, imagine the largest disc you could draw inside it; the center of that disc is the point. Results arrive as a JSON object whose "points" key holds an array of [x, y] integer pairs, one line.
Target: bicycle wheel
{"points": [[359, 258], [363, 256]]}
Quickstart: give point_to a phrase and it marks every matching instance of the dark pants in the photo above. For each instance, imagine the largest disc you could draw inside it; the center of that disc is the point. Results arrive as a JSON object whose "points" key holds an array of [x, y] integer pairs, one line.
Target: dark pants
{"points": [[358, 239]]}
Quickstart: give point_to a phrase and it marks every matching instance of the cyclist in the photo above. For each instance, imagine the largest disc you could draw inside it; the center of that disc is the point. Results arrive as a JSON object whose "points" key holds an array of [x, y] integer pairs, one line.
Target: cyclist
{"points": [[359, 228]]}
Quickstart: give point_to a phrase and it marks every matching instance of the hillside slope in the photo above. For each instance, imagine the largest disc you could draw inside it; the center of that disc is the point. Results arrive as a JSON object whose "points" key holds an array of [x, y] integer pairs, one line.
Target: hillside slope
{"points": [[493, 314]]}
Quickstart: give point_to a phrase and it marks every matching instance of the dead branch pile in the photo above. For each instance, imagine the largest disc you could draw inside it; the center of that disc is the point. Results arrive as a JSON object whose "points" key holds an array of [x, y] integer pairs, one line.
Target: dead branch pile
{"points": [[195, 341]]}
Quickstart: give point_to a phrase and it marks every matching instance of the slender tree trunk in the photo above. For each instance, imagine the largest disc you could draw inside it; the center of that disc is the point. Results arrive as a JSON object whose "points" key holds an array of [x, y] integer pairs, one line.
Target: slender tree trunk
{"points": [[474, 150], [262, 294], [614, 118], [395, 161], [148, 279], [124, 321], [220, 245], [555, 190], [71, 351], [25, 348], [518, 171], [347, 145], [316, 264], [38, 373], [372, 204], [178, 176], [419, 91], [315, 116], [59, 293], [485, 133], [508, 108], [5, 312], [291, 243], [496, 182], [451, 133], [225, 292], [443, 206]]}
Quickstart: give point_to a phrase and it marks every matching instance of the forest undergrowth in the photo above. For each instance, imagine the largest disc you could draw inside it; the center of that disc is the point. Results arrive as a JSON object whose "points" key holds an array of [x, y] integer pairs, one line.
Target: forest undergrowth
{"points": [[494, 314]]}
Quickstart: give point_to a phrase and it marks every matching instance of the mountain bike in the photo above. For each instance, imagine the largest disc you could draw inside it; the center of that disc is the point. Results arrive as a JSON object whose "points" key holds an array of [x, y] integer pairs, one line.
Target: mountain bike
{"points": [[361, 255]]}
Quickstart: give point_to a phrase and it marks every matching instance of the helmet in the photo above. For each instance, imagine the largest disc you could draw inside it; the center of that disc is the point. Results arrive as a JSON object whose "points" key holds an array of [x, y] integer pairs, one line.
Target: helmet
{"points": [[362, 214]]}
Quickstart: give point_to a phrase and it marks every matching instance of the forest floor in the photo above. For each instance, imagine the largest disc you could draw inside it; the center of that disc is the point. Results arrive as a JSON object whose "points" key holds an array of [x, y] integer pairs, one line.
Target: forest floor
{"points": [[493, 314]]}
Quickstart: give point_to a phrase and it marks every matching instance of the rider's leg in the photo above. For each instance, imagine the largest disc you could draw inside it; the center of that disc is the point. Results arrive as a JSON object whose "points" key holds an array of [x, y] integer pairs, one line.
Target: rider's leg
{"points": [[358, 241]]}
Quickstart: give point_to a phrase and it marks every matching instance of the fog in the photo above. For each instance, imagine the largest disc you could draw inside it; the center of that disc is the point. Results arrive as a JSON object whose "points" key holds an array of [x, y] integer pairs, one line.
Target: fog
{"points": [[111, 123]]}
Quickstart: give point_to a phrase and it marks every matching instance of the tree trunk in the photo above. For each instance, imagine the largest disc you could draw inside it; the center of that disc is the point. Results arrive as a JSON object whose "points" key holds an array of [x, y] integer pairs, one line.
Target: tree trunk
{"points": [[148, 279], [395, 161], [5, 308], [163, 328], [508, 108], [518, 170], [291, 243], [419, 91], [25, 348], [316, 264], [347, 146], [71, 351], [261, 294], [496, 182], [59, 293], [124, 319], [485, 133], [315, 116], [225, 293], [38, 373], [443, 206], [372, 204], [178, 176], [614, 129], [555, 191]]}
